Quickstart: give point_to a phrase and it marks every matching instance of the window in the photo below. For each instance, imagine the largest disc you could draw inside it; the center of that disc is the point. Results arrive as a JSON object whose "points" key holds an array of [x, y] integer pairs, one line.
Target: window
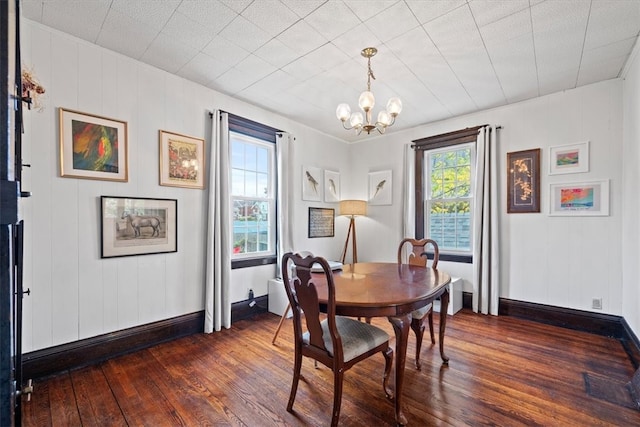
{"points": [[444, 167], [253, 192], [448, 202]]}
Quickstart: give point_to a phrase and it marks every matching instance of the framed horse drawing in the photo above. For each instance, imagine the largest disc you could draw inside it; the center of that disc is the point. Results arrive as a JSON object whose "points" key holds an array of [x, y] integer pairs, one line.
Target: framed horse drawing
{"points": [[138, 226]]}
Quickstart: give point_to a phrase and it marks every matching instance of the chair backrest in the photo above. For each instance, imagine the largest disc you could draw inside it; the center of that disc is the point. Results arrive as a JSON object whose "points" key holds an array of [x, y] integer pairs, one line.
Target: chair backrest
{"points": [[418, 254], [303, 297]]}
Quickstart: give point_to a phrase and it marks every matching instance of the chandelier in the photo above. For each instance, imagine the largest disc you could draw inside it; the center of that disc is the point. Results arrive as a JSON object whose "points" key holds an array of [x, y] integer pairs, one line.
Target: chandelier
{"points": [[366, 102]]}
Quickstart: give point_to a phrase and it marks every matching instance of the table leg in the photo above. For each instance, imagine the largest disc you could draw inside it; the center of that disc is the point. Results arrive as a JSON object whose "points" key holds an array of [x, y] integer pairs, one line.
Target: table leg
{"points": [[444, 306], [401, 329]]}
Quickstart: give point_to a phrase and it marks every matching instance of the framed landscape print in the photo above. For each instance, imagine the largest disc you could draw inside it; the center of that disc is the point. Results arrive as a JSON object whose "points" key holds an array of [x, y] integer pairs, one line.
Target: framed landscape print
{"points": [[523, 181], [572, 158], [138, 226], [92, 147], [580, 199], [181, 160]]}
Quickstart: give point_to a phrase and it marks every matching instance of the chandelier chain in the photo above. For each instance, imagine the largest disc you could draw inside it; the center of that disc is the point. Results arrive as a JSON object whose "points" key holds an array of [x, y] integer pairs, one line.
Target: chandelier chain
{"points": [[370, 75]]}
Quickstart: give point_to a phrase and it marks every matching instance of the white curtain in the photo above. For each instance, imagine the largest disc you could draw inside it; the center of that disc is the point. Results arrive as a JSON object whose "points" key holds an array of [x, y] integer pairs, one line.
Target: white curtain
{"points": [[218, 264], [284, 206], [409, 196], [486, 284]]}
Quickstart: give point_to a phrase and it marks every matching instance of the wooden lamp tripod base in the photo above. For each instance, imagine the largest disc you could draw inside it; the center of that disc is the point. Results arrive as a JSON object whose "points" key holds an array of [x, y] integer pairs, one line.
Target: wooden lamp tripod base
{"points": [[354, 248]]}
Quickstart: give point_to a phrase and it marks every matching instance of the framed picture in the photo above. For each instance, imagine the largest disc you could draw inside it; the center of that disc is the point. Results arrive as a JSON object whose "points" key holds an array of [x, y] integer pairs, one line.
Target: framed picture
{"points": [[138, 226], [331, 186], [181, 160], [572, 158], [321, 222], [312, 184], [523, 181], [380, 188], [92, 147], [580, 199]]}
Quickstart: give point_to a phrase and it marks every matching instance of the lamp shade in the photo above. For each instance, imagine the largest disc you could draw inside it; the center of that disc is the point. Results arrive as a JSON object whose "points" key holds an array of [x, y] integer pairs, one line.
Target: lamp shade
{"points": [[353, 207]]}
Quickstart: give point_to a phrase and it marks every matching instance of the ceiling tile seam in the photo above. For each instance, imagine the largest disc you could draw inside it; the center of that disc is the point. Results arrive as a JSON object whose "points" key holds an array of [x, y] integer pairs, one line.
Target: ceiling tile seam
{"points": [[495, 73], [535, 56], [95, 40], [584, 42]]}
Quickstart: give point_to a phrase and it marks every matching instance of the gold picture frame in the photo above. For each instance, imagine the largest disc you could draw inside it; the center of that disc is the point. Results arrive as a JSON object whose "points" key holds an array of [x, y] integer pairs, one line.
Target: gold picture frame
{"points": [[181, 160], [92, 147]]}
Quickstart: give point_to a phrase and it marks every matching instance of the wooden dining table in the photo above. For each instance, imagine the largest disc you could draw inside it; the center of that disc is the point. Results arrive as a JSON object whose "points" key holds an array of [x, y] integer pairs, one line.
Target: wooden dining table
{"points": [[391, 290]]}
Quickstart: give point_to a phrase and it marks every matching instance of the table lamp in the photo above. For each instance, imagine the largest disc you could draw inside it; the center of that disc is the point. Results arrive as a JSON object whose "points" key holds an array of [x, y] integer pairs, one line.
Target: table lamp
{"points": [[352, 208]]}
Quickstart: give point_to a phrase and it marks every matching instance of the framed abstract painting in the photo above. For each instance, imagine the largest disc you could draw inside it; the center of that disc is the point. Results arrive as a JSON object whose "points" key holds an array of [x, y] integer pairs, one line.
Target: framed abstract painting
{"points": [[573, 158], [92, 147], [580, 199]]}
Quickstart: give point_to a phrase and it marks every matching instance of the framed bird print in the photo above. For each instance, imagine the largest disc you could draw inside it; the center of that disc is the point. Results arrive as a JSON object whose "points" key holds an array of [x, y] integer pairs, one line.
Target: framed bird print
{"points": [[331, 186], [312, 184], [380, 188]]}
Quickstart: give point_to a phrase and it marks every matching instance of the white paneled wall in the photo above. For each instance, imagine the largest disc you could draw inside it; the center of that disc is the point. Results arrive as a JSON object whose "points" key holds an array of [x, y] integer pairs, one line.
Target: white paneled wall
{"points": [[74, 293], [561, 261]]}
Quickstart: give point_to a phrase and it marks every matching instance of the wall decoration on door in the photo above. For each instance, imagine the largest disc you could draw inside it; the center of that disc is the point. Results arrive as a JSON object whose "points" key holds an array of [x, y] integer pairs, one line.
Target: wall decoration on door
{"points": [[573, 158], [580, 199], [331, 186], [181, 160], [523, 181], [380, 188], [312, 184], [321, 222], [138, 226], [92, 147]]}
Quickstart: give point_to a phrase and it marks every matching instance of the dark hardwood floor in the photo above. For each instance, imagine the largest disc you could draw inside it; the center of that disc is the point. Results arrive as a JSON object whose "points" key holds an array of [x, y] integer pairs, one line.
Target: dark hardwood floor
{"points": [[503, 372]]}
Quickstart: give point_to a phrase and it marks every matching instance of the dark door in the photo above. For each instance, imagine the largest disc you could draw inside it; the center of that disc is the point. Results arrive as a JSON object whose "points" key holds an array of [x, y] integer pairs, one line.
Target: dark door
{"points": [[10, 225]]}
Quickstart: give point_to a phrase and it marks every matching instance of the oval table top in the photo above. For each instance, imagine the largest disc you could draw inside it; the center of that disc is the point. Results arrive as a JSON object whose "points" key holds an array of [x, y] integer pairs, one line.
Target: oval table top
{"points": [[373, 289]]}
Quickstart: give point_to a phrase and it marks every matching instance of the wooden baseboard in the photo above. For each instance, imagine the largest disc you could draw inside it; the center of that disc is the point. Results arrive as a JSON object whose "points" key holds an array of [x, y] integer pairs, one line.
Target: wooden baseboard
{"points": [[580, 320], [53, 360]]}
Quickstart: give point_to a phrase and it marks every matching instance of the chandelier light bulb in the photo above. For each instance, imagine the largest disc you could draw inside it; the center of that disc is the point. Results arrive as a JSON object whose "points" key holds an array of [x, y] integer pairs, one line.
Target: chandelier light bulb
{"points": [[367, 100], [394, 106], [357, 120], [343, 112], [384, 118]]}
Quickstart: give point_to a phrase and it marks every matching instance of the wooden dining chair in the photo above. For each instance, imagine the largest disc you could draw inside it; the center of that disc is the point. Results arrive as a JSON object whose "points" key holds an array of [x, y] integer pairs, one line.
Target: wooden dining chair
{"points": [[335, 341], [417, 255]]}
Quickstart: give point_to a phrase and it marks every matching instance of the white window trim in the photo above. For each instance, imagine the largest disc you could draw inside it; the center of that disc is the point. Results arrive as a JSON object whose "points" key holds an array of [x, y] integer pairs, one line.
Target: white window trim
{"points": [[270, 199]]}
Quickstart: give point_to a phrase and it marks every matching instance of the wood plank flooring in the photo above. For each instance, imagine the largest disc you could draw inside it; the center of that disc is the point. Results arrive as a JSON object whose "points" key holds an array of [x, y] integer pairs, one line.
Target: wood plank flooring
{"points": [[503, 372]]}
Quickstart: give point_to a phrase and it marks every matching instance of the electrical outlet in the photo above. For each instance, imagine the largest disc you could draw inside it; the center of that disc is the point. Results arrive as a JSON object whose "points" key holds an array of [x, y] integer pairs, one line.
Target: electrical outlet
{"points": [[596, 303]]}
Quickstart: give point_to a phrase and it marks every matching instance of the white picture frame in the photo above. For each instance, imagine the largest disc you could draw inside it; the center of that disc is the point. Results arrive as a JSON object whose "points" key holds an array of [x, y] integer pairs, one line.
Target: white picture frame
{"points": [[571, 158], [380, 186], [312, 184], [331, 186], [579, 198]]}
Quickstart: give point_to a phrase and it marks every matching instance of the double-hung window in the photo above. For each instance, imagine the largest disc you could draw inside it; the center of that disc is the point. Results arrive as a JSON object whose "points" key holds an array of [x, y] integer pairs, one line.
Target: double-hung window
{"points": [[448, 201], [253, 198], [444, 168]]}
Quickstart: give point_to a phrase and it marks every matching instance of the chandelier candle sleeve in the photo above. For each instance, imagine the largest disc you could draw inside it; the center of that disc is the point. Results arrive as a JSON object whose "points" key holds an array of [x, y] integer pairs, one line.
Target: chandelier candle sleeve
{"points": [[366, 102]]}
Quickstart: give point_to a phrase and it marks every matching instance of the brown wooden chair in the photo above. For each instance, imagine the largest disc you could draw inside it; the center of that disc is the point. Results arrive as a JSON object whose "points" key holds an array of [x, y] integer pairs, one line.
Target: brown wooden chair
{"points": [[335, 341], [418, 256]]}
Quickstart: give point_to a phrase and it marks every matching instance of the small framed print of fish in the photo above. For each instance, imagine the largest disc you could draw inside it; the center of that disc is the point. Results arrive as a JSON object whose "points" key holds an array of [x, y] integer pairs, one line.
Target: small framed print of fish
{"points": [[331, 186], [380, 188], [312, 184]]}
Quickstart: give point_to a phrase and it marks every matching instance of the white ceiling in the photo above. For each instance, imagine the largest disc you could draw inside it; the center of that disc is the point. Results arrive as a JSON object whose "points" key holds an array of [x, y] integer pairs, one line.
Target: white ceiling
{"points": [[301, 58]]}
